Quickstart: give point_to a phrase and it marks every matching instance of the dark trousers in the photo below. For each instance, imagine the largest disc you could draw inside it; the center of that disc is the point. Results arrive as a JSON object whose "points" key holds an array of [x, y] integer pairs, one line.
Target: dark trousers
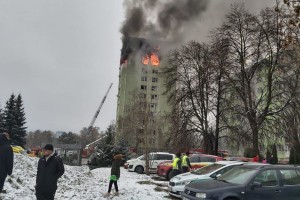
{"points": [[44, 196], [111, 182], [2, 180], [185, 169]]}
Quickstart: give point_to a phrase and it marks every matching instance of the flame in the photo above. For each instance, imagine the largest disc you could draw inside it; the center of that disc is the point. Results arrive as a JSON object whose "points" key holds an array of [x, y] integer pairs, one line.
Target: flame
{"points": [[154, 59], [146, 60]]}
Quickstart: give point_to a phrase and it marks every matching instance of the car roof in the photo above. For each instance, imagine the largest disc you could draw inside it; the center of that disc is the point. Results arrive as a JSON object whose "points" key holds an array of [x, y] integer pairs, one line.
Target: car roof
{"points": [[225, 162], [268, 166], [161, 153], [206, 155]]}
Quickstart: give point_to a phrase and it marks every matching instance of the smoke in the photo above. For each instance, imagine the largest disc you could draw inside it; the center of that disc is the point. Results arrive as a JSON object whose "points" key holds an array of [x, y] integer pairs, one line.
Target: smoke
{"points": [[158, 20]]}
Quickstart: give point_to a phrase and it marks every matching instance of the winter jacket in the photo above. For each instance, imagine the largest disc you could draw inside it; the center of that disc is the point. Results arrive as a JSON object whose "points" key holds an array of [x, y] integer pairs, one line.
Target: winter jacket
{"points": [[48, 172], [116, 164], [6, 157]]}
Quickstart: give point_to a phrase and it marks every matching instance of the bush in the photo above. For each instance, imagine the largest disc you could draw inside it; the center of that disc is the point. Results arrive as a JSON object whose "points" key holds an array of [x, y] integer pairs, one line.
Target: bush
{"points": [[249, 153]]}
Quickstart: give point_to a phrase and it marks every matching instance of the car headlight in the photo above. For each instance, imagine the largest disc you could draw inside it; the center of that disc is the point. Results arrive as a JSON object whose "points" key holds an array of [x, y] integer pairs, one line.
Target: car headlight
{"points": [[183, 183], [201, 195]]}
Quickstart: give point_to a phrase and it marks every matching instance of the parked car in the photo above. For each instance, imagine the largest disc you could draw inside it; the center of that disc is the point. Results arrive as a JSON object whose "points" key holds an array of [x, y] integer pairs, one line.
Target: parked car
{"points": [[197, 161], [155, 158], [249, 182], [177, 183]]}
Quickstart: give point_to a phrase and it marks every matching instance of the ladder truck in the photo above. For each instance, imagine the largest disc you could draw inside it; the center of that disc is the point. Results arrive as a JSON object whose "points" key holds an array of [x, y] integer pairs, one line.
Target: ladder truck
{"points": [[98, 111]]}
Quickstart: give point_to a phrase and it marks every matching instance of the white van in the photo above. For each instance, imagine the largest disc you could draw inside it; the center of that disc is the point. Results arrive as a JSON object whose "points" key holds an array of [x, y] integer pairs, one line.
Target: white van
{"points": [[155, 158]]}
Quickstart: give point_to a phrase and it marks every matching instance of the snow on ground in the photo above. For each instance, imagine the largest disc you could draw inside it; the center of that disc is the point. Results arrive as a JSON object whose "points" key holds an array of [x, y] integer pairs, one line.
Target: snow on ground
{"points": [[80, 183]]}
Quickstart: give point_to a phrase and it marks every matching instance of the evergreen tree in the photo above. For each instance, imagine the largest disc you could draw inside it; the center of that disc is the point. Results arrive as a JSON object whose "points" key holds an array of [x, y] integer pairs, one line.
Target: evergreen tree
{"points": [[105, 149], [1, 121], [20, 132], [9, 117]]}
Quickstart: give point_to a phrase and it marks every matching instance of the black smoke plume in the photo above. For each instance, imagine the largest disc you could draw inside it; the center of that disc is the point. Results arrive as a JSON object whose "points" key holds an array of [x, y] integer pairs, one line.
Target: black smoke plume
{"points": [[159, 20]]}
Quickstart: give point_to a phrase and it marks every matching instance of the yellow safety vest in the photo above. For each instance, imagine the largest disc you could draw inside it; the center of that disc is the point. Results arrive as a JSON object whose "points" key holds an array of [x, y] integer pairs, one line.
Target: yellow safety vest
{"points": [[175, 163], [184, 162]]}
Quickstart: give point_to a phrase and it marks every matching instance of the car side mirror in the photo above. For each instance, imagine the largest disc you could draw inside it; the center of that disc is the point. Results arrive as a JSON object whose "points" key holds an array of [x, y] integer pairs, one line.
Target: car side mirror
{"points": [[256, 185]]}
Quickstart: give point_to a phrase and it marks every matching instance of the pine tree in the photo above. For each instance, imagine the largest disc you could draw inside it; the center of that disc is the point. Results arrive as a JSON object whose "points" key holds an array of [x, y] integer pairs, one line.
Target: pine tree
{"points": [[20, 120], [9, 116], [1, 121]]}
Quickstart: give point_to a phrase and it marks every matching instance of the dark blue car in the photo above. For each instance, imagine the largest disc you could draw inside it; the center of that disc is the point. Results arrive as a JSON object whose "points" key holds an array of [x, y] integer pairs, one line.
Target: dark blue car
{"points": [[249, 182]]}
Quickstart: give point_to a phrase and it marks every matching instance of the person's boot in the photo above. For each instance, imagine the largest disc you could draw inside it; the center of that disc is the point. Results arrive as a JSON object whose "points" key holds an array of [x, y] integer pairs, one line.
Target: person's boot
{"points": [[106, 195], [116, 193]]}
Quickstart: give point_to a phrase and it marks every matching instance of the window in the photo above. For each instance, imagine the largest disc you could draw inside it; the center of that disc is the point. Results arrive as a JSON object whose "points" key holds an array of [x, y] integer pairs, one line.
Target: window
{"points": [[143, 87], [290, 177], [267, 178], [154, 80], [164, 157], [154, 88], [154, 96], [153, 105], [207, 159], [194, 159], [155, 71], [144, 70], [222, 171], [144, 78]]}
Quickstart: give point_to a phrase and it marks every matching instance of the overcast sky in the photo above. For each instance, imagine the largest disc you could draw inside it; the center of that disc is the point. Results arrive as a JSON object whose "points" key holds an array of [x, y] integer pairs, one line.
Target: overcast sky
{"points": [[61, 55]]}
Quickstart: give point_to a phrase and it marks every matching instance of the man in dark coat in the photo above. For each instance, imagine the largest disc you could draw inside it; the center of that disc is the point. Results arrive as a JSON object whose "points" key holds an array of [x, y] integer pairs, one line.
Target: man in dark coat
{"points": [[6, 159], [115, 174], [50, 169]]}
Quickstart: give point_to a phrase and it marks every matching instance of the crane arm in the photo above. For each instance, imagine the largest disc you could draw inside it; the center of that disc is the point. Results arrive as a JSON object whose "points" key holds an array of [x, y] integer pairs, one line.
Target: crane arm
{"points": [[98, 110]]}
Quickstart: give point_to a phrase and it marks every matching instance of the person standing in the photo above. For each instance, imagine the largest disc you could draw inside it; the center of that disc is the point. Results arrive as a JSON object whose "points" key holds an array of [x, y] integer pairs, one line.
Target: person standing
{"points": [[50, 169], [115, 174], [176, 166], [6, 159], [185, 164]]}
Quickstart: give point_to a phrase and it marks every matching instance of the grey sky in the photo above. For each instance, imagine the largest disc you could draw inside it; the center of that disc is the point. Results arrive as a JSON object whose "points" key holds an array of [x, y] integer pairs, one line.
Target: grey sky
{"points": [[62, 55]]}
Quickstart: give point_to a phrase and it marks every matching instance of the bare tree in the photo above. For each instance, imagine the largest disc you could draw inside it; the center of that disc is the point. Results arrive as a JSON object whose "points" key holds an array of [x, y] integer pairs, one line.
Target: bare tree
{"points": [[255, 49], [190, 70]]}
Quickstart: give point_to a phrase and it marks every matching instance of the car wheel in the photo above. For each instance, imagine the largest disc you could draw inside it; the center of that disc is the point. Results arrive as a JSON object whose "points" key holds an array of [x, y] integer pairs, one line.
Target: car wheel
{"points": [[169, 175], [139, 169]]}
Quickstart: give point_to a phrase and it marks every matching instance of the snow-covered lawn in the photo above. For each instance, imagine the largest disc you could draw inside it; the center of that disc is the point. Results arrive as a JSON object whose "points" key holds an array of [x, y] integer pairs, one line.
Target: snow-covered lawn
{"points": [[79, 183]]}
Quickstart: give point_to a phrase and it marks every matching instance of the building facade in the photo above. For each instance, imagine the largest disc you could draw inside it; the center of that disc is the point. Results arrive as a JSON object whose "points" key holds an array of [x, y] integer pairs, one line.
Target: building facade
{"points": [[142, 105]]}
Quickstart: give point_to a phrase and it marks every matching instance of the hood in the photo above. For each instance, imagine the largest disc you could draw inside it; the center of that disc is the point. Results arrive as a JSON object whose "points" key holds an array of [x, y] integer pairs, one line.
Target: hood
{"points": [[187, 177], [118, 157], [207, 185], [3, 139]]}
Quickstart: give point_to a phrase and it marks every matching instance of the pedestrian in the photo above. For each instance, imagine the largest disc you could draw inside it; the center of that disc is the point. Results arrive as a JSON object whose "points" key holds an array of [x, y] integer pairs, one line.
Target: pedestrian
{"points": [[114, 174], [272, 160], [185, 164], [256, 158], [176, 166], [6, 158], [50, 169]]}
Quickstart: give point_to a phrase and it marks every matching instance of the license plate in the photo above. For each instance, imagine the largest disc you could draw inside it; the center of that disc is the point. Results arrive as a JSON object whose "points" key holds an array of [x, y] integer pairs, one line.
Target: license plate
{"points": [[184, 198]]}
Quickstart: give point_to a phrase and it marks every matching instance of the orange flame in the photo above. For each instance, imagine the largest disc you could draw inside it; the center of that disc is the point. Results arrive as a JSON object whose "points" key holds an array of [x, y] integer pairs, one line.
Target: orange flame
{"points": [[154, 59], [146, 60]]}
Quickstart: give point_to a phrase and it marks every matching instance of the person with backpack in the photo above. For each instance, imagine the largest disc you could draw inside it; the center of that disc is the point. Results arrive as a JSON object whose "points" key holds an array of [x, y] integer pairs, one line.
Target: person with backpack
{"points": [[6, 158], [50, 169]]}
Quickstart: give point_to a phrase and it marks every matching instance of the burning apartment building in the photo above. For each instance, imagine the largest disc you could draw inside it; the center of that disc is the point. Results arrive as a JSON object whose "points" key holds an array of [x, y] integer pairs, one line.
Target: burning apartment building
{"points": [[142, 102]]}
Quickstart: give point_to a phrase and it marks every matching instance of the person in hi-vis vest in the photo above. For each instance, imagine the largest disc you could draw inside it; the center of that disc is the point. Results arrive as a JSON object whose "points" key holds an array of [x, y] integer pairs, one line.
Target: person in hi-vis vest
{"points": [[185, 163], [176, 167]]}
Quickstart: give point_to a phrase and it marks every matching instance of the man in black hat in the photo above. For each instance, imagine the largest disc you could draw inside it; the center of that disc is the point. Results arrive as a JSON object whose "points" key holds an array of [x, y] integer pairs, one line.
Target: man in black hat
{"points": [[50, 169], [6, 159]]}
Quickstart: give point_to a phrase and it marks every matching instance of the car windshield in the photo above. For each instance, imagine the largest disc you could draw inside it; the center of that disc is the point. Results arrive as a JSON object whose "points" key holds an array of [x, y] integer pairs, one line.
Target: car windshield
{"points": [[238, 175], [207, 169]]}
